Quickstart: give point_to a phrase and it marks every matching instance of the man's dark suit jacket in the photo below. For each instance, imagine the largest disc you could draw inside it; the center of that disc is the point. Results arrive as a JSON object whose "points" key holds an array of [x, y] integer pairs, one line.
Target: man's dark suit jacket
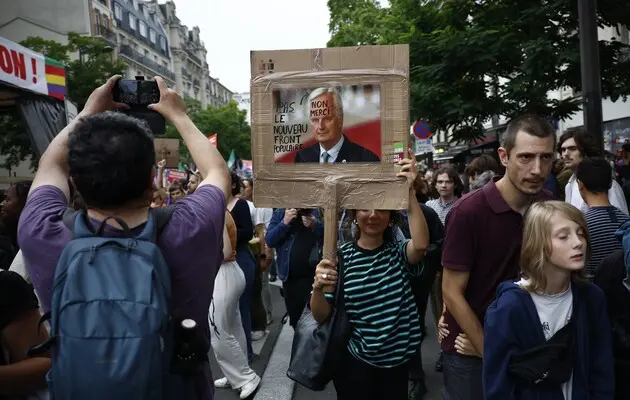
{"points": [[349, 152]]}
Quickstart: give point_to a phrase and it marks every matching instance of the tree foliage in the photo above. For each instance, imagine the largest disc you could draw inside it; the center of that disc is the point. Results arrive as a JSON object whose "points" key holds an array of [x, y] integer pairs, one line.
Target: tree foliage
{"points": [[473, 59], [228, 122], [83, 75]]}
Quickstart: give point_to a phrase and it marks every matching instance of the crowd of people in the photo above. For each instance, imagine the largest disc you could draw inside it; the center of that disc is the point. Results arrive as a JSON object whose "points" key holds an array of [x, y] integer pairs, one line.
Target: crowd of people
{"points": [[117, 284]]}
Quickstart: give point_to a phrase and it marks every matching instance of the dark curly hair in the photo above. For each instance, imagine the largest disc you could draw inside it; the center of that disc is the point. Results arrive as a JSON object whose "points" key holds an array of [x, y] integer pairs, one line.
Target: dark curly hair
{"points": [[585, 142], [395, 219], [111, 158], [237, 183]]}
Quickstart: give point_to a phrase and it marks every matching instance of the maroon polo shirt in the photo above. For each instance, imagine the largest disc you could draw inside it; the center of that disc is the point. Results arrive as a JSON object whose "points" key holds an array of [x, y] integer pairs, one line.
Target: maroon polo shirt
{"points": [[483, 237]]}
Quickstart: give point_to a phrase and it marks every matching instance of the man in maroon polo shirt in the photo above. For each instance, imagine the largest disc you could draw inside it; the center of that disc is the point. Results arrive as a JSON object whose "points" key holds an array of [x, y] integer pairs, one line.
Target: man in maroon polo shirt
{"points": [[482, 247]]}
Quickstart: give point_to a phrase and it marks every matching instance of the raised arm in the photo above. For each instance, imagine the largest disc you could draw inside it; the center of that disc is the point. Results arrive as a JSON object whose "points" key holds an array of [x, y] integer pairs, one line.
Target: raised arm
{"points": [[53, 165], [419, 242]]}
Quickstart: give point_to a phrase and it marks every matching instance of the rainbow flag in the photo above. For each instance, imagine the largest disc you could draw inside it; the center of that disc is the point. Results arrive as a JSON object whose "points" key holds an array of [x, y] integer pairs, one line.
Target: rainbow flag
{"points": [[56, 78]]}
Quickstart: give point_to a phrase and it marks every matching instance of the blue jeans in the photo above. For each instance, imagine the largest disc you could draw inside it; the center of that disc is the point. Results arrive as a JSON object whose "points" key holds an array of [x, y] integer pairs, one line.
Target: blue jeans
{"points": [[247, 263], [462, 378]]}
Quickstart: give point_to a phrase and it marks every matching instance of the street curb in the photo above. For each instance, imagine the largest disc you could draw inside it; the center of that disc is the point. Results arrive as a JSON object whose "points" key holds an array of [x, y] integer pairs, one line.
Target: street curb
{"points": [[275, 384]]}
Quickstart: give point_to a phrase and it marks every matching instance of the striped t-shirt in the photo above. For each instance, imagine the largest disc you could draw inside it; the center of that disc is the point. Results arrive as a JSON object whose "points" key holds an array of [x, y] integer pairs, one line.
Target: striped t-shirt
{"points": [[602, 224], [380, 305]]}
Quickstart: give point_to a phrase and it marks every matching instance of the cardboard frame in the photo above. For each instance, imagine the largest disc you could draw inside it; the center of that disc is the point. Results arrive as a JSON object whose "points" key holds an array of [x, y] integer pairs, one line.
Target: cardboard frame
{"points": [[331, 186], [167, 149]]}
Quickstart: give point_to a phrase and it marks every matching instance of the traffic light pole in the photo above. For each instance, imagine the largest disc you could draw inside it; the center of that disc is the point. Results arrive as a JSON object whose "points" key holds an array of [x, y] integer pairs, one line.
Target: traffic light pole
{"points": [[591, 74]]}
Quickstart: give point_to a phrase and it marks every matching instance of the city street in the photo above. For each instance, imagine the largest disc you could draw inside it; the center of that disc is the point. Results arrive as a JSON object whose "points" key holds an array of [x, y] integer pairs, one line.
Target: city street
{"points": [[276, 386]]}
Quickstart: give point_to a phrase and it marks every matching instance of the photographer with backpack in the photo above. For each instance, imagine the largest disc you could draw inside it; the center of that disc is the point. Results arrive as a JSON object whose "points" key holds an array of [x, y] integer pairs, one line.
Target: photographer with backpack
{"points": [[127, 302]]}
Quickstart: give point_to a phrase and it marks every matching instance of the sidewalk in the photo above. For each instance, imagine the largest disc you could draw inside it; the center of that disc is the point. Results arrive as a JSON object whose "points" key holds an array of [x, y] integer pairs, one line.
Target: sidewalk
{"points": [[430, 351], [262, 348]]}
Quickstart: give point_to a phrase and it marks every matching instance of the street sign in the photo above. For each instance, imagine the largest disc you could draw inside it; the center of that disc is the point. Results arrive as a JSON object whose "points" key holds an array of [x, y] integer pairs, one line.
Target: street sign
{"points": [[422, 129], [423, 146]]}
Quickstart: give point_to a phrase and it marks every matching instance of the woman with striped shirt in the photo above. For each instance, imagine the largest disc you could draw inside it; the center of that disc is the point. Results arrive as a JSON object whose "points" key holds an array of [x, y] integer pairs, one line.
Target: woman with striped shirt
{"points": [[385, 332]]}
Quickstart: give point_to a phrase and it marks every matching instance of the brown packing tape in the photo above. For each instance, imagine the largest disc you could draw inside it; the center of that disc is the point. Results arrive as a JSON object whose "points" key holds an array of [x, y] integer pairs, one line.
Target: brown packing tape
{"points": [[360, 185]]}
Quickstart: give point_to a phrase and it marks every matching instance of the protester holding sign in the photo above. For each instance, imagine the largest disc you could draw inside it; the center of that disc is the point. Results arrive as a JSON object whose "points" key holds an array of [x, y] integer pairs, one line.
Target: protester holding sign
{"points": [[385, 333]]}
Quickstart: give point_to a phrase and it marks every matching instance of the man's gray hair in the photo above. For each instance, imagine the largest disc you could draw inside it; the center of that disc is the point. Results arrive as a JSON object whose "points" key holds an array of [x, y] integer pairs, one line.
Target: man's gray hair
{"points": [[336, 97]]}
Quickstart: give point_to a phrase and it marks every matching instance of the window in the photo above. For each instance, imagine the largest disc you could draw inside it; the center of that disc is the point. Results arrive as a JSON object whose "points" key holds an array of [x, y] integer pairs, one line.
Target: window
{"points": [[152, 35], [162, 43], [135, 5], [117, 12], [132, 21], [143, 29]]}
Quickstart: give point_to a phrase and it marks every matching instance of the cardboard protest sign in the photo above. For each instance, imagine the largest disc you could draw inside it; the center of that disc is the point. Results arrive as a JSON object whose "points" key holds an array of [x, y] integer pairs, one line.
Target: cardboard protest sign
{"points": [[328, 126], [167, 149]]}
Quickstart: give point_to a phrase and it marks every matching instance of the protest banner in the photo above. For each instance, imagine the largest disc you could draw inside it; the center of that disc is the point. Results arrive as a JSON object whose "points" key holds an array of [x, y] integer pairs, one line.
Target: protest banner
{"points": [[328, 126], [32, 71]]}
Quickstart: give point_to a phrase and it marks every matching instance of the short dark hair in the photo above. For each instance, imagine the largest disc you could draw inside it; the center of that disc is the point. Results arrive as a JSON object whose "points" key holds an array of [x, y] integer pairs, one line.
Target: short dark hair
{"points": [[481, 164], [176, 185], [595, 174], [532, 125], [237, 183], [111, 158], [585, 142], [453, 175], [21, 190]]}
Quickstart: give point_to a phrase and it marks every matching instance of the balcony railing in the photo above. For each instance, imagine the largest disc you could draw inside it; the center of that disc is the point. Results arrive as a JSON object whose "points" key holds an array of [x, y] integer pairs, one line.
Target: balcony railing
{"points": [[145, 61], [193, 57], [196, 82], [105, 33], [187, 75]]}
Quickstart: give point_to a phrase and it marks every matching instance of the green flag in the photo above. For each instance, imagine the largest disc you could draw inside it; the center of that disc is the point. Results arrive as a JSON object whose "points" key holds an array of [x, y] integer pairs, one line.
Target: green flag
{"points": [[231, 160]]}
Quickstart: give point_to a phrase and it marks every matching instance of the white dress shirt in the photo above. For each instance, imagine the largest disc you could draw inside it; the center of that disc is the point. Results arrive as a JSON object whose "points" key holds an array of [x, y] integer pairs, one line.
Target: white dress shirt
{"points": [[332, 153], [615, 196]]}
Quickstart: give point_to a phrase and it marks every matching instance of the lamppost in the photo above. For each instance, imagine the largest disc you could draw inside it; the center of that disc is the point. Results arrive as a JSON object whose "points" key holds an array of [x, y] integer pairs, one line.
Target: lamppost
{"points": [[591, 74]]}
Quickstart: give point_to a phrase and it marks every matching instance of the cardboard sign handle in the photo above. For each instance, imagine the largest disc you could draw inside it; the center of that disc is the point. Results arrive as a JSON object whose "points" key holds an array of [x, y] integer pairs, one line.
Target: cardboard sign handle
{"points": [[331, 215]]}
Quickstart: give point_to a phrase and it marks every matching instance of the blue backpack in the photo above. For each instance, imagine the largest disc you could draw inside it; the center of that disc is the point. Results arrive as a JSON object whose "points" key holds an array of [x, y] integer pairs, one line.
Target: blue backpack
{"points": [[111, 317]]}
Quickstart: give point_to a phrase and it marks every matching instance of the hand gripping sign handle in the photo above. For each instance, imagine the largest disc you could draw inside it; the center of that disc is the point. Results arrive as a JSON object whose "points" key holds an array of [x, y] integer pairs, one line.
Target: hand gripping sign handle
{"points": [[331, 215]]}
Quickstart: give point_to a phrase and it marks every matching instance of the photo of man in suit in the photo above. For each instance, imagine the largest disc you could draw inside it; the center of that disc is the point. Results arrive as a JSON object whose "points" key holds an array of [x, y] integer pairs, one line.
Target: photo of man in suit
{"points": [[326, 122]]}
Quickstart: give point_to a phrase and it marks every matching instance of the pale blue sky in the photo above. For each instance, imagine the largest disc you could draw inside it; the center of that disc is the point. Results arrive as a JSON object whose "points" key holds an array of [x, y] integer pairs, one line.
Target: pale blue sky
{"points": [[231, 28]]}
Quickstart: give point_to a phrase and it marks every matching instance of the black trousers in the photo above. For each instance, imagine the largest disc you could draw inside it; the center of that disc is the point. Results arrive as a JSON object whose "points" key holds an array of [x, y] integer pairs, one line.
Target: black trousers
{"points": [[297, 292], [358, 380]]}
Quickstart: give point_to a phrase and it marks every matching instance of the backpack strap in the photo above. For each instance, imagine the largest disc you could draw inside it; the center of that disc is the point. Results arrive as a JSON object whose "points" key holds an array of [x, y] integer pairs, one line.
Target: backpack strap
{"points": [[162, 217], [68, 218]]}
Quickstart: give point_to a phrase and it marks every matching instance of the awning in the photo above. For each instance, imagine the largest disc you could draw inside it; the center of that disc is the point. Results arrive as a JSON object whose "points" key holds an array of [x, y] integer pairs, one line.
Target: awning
{"points": [[25, 69]]}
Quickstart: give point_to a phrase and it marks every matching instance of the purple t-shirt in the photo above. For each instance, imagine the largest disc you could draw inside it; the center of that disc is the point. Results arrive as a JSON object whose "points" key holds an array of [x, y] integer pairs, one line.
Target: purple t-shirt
{"points": [[190, 243]]}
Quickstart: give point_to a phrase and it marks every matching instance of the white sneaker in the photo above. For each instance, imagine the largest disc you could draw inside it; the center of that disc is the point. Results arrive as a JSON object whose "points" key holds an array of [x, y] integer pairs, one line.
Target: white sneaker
{"points": [[258, 335], [250, 387], [222, 383]]}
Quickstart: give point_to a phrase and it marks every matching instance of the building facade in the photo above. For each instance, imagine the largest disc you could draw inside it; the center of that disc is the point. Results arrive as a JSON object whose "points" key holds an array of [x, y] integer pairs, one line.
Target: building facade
{"points": [[51, 20], [192, 72], [218, 95], [142, 39], [244, 103]]}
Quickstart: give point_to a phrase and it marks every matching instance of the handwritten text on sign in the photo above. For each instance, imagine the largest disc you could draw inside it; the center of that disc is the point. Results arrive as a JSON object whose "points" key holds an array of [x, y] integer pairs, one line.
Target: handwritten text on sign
{"points": [[22, 67]]}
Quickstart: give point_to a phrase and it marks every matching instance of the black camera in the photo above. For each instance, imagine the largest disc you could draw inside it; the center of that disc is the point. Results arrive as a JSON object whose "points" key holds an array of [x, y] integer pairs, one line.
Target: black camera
{"points": [[304, 212], [138, 94]]}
